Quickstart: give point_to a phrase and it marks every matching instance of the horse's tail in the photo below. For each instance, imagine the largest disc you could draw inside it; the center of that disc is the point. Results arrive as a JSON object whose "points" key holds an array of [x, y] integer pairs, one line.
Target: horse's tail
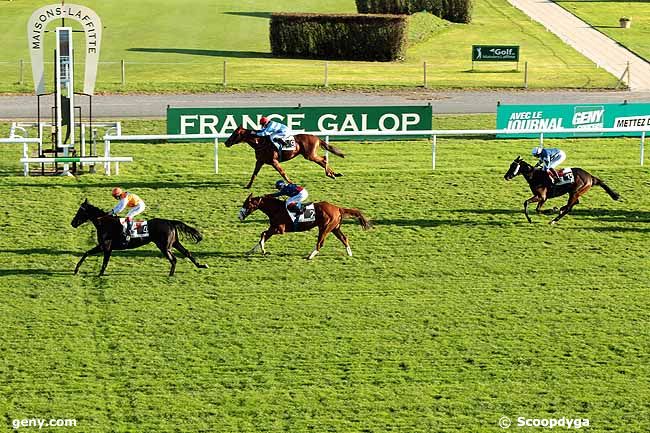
{"points": [[183, 228], [613, 194], [356, 213], [335, 150]]}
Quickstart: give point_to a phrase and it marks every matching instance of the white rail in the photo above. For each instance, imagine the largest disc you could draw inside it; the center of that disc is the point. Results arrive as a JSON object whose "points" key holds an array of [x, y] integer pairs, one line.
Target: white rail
{"points": [[431, 134]]}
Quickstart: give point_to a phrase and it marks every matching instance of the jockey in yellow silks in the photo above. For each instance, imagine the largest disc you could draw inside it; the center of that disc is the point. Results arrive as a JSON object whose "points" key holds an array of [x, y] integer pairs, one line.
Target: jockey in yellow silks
{"points": [[127, 200]]}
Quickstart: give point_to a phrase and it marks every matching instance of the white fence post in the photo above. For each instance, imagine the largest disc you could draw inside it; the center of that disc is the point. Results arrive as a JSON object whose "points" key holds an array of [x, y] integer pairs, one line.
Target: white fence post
{"points": [[642, 147], [433, 152], [216, 155]]}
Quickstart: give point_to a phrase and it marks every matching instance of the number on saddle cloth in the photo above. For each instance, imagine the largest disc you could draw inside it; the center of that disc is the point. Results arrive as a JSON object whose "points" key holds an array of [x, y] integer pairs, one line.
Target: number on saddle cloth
{"points": [[139, 229], [308, 212], [565, 177]]}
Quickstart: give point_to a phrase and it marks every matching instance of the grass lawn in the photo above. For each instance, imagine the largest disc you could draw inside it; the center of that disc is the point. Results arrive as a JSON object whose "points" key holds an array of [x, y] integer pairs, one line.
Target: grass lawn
{"points": [[183, 49], [604, 17], [452, 313]]}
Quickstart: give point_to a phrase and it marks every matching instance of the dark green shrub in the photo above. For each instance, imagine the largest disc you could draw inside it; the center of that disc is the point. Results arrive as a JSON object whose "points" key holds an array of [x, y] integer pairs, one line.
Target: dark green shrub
{"points": [[458, 11], [344, 37]]}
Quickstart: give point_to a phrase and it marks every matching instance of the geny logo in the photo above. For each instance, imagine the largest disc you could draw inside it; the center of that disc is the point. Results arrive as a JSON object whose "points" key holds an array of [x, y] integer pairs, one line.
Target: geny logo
{"points": [[590, 116]]}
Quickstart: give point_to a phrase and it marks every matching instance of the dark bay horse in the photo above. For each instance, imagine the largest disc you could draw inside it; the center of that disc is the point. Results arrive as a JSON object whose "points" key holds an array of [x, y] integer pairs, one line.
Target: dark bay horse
{"points": [[164, 233], [328, 219], [543, 189], [266, 152]]}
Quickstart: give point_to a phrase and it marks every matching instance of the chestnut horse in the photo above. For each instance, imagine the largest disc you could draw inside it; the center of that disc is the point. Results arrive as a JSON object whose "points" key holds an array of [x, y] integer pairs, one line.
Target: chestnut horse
{"points": [[328, 219], [267, 153], [543, 189], [163, 233]]}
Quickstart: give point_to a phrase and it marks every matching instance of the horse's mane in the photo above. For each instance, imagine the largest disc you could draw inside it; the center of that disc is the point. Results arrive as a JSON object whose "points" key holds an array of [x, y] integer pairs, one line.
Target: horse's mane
{"points": [[93, 209]]}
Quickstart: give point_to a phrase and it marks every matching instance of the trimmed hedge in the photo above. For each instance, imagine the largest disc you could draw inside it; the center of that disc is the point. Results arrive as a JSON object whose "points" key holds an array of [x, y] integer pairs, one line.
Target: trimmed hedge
{"points": [[458, 11], [342, 37]]}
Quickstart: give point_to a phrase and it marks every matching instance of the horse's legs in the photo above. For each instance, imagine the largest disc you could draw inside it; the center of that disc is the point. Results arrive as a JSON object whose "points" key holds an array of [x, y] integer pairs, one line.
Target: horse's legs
{"points": [[323, 231], [258, 167], [94, 250], [280, 170], [573, 200], [323, 163], [339, 234], [107, 257], [260, 243], [533, 199], [184, 251], [165, 247]]}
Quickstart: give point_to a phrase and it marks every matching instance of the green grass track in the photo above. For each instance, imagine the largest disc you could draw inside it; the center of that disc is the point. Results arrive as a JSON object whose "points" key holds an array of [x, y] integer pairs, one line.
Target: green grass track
{"points": [[453, 311]]}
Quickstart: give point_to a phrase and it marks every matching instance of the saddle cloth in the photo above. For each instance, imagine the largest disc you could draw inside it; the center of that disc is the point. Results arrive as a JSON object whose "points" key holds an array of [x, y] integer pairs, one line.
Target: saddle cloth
{"points": [[308, 215], [139, 229], [290, 143], [566, 177]]}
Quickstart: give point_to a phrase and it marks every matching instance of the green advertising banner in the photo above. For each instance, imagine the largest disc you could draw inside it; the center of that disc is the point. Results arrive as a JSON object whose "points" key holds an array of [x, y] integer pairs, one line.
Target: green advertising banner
{"points": [[495, 53], [583, 116], [301, 119]]}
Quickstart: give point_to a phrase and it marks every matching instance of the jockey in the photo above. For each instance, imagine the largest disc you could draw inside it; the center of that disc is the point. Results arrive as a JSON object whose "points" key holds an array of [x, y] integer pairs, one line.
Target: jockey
{"points": [[276, 131], [549, 159], [295, 193], [130, 200]]}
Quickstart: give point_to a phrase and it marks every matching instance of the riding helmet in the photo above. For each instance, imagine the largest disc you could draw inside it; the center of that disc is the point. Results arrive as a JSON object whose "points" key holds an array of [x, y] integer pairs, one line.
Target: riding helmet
{"points": [[263, 120], [117, 191], [537, 151], [280, 184]]}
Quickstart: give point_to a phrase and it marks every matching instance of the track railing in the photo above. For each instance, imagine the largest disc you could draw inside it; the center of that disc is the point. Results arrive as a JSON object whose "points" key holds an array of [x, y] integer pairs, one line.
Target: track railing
{"points": [[432, 135]]}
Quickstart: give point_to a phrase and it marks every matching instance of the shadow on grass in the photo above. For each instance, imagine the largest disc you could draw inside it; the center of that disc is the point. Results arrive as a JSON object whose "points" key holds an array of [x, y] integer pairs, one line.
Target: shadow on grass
{"points": [[607, 27], [208, 53], [152, 252], [49, 272], [264, 15], [157, 185]]}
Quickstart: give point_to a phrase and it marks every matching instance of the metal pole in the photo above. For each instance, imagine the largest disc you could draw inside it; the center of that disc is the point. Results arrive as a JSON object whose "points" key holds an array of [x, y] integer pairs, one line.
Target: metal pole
{"points": [[326, 82], [629, 80], [526, 74], [22, 71], [425, 75], [225, 65], [123, 65], [216, 156], [642, 147], [433, 152], [541, 139]]}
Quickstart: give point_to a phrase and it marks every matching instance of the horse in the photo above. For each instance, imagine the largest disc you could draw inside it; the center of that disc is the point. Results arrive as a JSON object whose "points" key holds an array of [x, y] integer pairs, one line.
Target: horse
{"points": [[164, 233], [266, 152], [543, 189], [328, 218]]}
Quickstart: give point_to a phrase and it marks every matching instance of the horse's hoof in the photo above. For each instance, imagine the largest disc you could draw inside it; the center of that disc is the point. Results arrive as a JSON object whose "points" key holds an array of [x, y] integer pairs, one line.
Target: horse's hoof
{"points": [[338, 174], [552, 222], [204, 266]]}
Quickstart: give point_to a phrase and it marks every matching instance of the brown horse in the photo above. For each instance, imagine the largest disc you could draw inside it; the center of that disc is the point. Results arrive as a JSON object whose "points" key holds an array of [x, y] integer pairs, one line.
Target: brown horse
{"points": [[328, 218], [543, 189], [266, 152]]}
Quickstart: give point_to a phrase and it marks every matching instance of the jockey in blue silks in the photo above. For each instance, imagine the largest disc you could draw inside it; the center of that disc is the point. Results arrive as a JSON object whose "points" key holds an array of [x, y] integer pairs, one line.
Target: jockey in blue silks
{"points": [[276, 131], [296, 195], [549, 159]]}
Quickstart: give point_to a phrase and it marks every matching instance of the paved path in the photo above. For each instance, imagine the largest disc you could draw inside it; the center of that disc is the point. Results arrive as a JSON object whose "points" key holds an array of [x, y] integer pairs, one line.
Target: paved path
{"points": [[594, 45], [154, 106]]}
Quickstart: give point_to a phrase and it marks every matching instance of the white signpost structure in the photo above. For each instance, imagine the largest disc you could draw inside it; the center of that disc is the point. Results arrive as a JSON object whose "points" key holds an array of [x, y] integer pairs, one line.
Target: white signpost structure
{"points": [[64, 94]]}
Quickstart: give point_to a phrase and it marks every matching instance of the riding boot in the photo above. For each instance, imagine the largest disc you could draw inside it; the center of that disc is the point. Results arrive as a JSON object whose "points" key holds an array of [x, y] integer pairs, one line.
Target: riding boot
{"points": [[129, 226], [296, 221]]}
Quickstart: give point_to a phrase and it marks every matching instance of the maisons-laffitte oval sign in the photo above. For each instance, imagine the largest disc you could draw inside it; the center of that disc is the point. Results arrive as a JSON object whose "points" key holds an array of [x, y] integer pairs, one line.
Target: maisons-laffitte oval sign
{"points": [[92, 27]]}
